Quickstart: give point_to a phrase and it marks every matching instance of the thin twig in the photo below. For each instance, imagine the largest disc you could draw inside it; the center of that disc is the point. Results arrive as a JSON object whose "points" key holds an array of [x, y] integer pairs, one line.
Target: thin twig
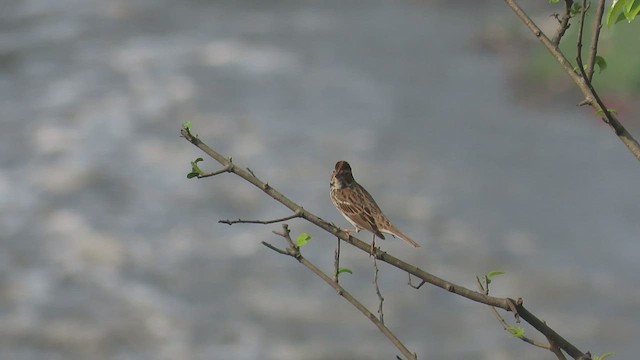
{"points": [[294, 251], [485, 289], [378, 292], [583, 14], [564, 23], [226, 169], [415, 286], [336, 262], [274, 248], [263, 222], [595, 36]]}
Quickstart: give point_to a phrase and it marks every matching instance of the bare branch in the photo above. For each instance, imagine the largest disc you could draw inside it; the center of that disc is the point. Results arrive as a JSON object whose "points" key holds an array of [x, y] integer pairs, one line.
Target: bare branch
{"points": [[280, 251], [564, 23], [263, 222], [336, 262], [583, 13], [226, 169], [294, 251], [285, 233], [380, 298]]}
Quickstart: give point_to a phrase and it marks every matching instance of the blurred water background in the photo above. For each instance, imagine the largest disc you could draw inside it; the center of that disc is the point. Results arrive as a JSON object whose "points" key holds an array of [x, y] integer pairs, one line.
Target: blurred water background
{"points": [[107, 251]]}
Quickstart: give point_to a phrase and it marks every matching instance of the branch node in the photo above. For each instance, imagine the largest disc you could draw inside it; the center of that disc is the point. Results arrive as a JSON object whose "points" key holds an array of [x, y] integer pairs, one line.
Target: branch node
{"points": [[513, 307], [280, 251], [450, 288], [585, 102]]}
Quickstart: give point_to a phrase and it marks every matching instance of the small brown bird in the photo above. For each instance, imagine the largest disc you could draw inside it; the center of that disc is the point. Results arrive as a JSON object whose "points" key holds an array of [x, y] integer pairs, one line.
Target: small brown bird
{"points": [[359, 208]]}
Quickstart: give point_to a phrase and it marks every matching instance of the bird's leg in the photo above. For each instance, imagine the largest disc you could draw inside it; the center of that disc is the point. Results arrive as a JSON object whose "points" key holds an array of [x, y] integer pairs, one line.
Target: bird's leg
{"points": [[349, 231], [373, 246]]}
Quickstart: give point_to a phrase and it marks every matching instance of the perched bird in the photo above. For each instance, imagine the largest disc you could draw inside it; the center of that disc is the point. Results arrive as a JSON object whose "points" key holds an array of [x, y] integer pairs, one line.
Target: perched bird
{"points": [[359, 208]]}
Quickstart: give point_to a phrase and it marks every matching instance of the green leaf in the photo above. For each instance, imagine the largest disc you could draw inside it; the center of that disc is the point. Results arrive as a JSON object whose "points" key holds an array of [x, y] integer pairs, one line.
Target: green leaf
{"points": [[345, 270], [632, 10], [516, 331], [616, 13], [601, 63], [554, 1], [187, 125], [604, 356], [302, 239], [493, 274], [195, 170]]}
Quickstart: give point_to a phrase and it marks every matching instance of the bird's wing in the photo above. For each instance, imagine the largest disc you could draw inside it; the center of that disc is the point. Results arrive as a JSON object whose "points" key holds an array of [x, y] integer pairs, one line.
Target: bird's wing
{"points": [[361, 210]]}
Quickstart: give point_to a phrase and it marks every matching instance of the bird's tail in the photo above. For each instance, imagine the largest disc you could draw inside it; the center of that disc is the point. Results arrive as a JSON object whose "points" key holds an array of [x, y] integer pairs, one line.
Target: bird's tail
{"points": [[399, 234]]}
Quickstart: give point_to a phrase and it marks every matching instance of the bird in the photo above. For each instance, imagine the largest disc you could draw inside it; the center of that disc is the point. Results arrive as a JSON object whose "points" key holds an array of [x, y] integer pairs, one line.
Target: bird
{"points": [[359, 208]]}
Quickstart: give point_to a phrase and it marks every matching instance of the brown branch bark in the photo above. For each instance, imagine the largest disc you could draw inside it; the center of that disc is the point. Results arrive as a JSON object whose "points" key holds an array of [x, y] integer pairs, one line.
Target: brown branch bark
{"points": [[591, 97], [507, 304], [564, 23]]}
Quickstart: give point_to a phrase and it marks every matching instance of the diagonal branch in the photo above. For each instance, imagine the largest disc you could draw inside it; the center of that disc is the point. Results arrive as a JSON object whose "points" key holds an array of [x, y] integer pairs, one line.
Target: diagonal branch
{"points": [[591, 97], [221, 171], [516, 307], [294, 252]]}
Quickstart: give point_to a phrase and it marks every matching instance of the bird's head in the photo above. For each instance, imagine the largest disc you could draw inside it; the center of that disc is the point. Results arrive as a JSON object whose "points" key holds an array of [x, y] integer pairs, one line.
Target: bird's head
{"points": [[342, 175]]}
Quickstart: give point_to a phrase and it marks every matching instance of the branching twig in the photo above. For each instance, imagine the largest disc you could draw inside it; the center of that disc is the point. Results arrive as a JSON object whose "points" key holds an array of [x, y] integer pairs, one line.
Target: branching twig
{"points": [[378, 292], [263, 222], [581, 81], [485, 289], [606, 116], [516, 307], [294, 252], [564, 23]]}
